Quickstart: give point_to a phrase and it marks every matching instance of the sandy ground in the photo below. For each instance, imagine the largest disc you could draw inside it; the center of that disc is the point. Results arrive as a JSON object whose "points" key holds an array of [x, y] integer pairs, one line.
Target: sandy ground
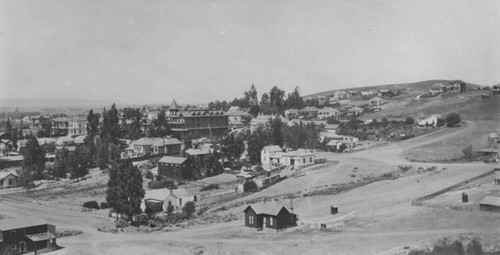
{"points": [[383, 219]]}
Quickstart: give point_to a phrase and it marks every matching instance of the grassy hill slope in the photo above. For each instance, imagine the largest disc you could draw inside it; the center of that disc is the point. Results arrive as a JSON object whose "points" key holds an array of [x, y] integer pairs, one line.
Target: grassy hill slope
{"points": [[412, 86]]}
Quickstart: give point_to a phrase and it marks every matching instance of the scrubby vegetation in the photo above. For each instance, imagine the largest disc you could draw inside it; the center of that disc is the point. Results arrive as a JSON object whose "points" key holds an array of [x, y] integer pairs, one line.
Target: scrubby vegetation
{"points": [[445, 247], [91, 205], [210, 187]]}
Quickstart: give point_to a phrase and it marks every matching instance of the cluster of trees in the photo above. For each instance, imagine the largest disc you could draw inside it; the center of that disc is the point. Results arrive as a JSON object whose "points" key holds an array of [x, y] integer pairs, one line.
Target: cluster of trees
{"points": [[277, 133], [210, 165], [276, 101], [33, 165], [75, 163]]}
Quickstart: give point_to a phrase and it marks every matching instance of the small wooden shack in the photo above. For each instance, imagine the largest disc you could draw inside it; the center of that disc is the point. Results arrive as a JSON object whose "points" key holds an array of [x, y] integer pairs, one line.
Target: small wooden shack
{"points": [[271, 216], [490, 203]]}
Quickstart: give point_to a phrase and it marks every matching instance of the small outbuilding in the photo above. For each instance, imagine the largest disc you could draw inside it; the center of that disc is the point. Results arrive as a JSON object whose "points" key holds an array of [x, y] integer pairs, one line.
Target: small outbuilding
{"points": [[497, 176], [271, 216], [8, 179], [490, 203]]}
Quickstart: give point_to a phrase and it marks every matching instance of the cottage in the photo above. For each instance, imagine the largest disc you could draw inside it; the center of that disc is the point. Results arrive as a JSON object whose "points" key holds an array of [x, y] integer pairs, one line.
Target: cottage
{"points": [[301, 157], [292, 113], [158, 200], [376, 101], [235, 114], [168, 146], [173, 167], [268, 152], [262, 216], [328, 112], [456, 87], [434, 120], [355, 111], [8, 179], [143, 146], [341, 95], [490, 203], [438, 88], [21, 235], [309, 112]]}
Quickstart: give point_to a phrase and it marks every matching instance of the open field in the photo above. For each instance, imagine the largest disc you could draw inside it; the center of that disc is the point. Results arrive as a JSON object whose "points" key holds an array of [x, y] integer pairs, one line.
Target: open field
{"points": [[476, 191]]}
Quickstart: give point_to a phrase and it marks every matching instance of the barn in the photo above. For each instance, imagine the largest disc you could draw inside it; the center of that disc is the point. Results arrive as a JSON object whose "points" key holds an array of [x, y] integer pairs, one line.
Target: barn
{"points": [[490, 203], [269, 216]]}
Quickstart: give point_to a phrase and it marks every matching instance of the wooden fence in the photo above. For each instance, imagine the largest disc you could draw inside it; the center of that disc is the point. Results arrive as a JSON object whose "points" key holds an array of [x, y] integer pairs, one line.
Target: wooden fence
{"points": [[418, 201]]}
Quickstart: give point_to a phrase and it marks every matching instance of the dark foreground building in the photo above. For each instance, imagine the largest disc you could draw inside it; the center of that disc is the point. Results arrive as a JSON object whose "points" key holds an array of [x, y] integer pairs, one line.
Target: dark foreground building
{"points": [[21, 235], [261, 216]]}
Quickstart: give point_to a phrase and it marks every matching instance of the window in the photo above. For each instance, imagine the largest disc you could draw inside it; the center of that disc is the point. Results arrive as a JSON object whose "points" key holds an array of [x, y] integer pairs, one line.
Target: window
{"points": [[304, 160], [13, 247], [13, 233], [270, 221], [250, 219]]}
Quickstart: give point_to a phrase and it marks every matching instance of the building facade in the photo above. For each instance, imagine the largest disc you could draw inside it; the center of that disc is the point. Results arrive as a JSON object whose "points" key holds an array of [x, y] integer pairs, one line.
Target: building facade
{"points": [[21, 235]]}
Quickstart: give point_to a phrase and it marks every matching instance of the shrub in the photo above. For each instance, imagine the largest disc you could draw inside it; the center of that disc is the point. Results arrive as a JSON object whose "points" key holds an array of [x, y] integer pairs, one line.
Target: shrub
{"points": [[468, 152], [452, 119], [404, 168], [259, 169], [210, 187], [104, 205], [149, 175], [250, 186], [121, 223], [189, 209], [91, 204], [161, 184], [159, 177], [475, 247]]}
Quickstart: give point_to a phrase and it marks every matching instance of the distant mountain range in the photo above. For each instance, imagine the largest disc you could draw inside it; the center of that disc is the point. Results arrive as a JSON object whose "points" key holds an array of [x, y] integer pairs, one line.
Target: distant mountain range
{"points": [[417, 86], [25, 103]]}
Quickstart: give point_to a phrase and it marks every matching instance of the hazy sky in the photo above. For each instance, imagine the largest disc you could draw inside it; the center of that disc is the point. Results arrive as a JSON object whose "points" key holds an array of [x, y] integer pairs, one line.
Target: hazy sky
{"points": [[198, 51]]}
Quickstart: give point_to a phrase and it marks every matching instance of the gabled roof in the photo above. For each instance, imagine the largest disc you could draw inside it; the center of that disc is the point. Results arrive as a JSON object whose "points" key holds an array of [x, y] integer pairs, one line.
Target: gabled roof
{"points": [[166, 141], [269, 209], [172, 160], [490, 200], [7, 173], [376, 99], [16, 223], [272, 148], [144, 141], [199, 151], [298, 153]]}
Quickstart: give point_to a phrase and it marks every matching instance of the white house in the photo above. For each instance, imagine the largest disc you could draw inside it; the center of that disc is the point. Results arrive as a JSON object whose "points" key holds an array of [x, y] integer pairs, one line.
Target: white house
{"points": [[165, 197], [8, 179], [301, 157], [328, 112], [268, 152], [376, 101], [434, 120]]}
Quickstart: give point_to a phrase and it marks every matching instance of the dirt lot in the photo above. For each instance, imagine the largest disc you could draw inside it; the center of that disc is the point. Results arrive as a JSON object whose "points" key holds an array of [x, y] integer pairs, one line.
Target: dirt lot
{"points": [[476, 191]]}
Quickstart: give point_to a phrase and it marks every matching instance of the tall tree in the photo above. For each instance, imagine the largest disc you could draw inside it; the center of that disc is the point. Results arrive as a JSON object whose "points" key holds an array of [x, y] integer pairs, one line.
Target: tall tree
{"points": [[251, 96], [125, 193], [256, 141], [276, 97], [34, 158], [276, 130], [8, 127], [294, 100]]}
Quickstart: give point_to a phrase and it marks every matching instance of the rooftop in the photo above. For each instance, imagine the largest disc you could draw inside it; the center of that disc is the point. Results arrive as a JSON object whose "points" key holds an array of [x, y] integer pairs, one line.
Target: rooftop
{"points": [[490, 200], [4, 174], [16, 223], [268, 208], [172, 160], [166, 141]]}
